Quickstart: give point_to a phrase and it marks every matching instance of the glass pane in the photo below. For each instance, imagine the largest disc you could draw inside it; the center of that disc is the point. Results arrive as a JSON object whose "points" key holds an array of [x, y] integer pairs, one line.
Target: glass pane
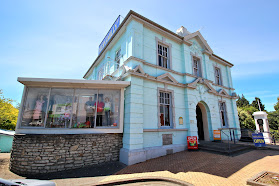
{"points": [[108, 108], [223, 118], [167, 115], [60, 108], [160, 61], [84, 108], [35, 106]]}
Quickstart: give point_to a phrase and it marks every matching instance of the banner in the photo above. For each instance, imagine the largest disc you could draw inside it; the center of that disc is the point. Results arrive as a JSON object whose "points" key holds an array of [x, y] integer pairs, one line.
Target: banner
{"points": [[192, 142], [216, 134], [110, 33], [258, 139]]}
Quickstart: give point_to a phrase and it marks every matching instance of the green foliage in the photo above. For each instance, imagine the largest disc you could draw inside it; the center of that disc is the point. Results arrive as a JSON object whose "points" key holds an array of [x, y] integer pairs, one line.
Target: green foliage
{"points": [[8, 113], [245, 118], [256, 105], [276, 106], [273, 119], [242, 102]]}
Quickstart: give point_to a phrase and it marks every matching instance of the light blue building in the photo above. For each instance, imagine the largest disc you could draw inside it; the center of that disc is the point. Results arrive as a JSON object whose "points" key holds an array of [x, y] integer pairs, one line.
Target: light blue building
{"points": [[172, 75], [148, 89]]}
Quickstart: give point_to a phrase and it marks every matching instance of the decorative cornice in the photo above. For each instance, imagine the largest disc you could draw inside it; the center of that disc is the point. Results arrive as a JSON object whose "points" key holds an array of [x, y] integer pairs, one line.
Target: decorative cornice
{"points": [[168, 79], [169, 70]]}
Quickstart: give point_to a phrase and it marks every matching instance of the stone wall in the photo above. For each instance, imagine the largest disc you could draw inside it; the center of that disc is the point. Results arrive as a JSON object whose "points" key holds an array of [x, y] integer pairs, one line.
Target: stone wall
{"points": [[34, 154]]}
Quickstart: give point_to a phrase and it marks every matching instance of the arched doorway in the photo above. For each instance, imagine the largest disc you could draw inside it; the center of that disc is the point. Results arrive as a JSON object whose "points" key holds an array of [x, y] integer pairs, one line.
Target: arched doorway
{"points": [[202, 122]]}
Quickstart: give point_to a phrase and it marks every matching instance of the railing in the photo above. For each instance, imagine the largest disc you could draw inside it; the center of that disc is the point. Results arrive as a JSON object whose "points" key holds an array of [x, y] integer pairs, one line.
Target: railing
{"points": [[231, 136], [106, 69]]}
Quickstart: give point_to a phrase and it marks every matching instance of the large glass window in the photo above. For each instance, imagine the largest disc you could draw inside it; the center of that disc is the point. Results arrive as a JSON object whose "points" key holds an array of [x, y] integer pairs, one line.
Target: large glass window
{"points": [[218, 79], [165, 109], [34, 109], [223, 114], [163, 56], [108, 105], [197, 67], [84, 108], [71, 108], [60, 108]]}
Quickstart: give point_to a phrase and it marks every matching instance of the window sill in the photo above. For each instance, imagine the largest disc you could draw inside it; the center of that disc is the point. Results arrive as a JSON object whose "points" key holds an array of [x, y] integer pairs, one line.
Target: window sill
{"points": [[163, 130]]}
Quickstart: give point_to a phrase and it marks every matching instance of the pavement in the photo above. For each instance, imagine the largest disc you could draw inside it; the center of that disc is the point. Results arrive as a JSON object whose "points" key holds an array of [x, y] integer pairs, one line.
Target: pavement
{"points": [[195, 167]]}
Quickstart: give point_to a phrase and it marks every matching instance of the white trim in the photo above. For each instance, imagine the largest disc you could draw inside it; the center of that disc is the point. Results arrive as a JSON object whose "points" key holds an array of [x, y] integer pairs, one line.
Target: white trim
{"points": [[72, 83]]}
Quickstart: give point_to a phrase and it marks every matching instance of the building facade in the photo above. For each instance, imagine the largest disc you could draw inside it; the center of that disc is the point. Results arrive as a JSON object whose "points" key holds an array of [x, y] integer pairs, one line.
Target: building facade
{"points": [[148, 89], [179, 87]]}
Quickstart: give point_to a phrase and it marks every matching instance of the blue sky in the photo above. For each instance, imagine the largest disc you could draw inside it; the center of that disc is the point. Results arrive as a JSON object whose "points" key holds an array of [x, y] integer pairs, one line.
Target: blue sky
{"points": [[60, 39]]}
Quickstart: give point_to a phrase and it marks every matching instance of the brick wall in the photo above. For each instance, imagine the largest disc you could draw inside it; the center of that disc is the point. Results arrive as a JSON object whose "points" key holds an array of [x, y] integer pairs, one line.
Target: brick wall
{"points": [[33, 154]]}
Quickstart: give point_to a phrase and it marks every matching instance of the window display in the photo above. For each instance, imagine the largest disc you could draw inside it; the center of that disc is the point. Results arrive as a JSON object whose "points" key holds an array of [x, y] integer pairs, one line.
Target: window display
{"points": [[60, 108], [71, 108], [84, 114], [108, 108], [34, 109]]}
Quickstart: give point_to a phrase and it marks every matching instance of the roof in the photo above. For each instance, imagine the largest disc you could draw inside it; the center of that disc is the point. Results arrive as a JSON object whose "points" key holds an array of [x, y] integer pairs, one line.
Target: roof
{"points": [[132, 13], [7, 132], [72, 83]]}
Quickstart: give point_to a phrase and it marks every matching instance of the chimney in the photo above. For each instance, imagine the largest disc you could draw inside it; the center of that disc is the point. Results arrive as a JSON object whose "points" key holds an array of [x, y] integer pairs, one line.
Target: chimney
{"points": [[182, 31]]}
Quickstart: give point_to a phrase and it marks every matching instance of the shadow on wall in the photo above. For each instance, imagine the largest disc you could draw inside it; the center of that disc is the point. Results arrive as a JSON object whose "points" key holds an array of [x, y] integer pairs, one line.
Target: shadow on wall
{"points": [[104, 169], [199, 161]]}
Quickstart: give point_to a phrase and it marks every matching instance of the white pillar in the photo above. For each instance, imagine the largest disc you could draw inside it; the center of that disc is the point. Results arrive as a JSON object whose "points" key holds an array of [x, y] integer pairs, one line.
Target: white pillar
{"points": [[263, 115]]}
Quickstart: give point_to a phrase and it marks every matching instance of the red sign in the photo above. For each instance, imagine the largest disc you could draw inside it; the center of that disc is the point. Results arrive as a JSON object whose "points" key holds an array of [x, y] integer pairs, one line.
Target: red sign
{"points": [[192, 142]]}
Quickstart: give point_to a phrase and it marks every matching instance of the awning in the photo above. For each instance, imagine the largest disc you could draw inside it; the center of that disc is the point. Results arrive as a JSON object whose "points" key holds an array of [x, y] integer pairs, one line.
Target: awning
{"points": [[72, 83]]}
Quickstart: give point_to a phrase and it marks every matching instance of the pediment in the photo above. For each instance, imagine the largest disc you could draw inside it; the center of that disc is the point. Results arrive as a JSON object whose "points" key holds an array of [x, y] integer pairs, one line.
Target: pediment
{"points": [[222, 92], [167, 77], [197, 35], [139, 69], [193, 85]]}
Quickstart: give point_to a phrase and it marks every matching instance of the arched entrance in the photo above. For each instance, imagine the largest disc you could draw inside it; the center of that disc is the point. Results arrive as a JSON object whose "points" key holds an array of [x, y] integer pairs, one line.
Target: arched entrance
{"points": [[202, 122]]}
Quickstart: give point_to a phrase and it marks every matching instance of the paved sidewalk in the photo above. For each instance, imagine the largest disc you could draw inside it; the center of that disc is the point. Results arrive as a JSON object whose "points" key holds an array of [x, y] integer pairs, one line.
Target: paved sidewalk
{"points": [[195, 167]]}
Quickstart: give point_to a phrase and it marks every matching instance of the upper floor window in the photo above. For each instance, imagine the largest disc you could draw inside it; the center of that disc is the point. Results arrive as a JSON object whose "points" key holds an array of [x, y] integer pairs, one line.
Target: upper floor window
{"points": [[163, 56], [218, 79], [117, 58], [165, 109], [223, 114], [197, 67]]}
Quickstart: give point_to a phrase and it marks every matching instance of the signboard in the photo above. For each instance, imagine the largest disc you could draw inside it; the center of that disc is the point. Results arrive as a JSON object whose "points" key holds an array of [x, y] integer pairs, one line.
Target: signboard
{"points": [[216, 134], [180, 121], [192, 142], [109, 34], [258, 140]]}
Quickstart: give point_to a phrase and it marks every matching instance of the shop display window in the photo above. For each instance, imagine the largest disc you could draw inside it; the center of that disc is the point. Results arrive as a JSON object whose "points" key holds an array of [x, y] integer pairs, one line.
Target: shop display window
{"points": [[60, 108], [84, 111], [71, 108], [34, 109], [108, 108]]}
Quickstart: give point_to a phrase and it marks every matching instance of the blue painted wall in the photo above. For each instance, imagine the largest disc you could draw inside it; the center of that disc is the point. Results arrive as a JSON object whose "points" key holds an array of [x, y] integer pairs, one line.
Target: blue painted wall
{"points": [[141, 103]]}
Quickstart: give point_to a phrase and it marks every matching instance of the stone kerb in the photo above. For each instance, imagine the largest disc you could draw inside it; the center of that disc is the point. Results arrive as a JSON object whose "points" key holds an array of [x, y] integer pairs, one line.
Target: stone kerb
{"points": [[35, 154]]}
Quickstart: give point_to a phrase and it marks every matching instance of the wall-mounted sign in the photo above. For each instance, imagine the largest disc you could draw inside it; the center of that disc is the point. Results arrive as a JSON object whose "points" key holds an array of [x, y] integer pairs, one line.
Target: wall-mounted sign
{"points": [[180, 120], [109, 34], [216, 134], [258, 140], [192, 142]]}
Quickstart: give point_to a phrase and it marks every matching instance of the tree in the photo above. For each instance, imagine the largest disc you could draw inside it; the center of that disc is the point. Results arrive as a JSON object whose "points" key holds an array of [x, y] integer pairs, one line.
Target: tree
{"points": [[246, 119], [256, 105], [273, 119], [276, 106], [242, 102], [8, 113]]}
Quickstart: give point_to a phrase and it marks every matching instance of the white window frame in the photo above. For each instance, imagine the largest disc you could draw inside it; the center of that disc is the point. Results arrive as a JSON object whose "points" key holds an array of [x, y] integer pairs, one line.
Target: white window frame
{"points": [[223, 108], [171, 108], [117, 58], [218, 76], [162, 42], [197, 67]]}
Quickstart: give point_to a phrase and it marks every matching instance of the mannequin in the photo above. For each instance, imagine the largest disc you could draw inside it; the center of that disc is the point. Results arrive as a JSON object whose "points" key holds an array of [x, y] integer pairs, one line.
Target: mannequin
{"points": [[107, 110], [38, 115]]}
